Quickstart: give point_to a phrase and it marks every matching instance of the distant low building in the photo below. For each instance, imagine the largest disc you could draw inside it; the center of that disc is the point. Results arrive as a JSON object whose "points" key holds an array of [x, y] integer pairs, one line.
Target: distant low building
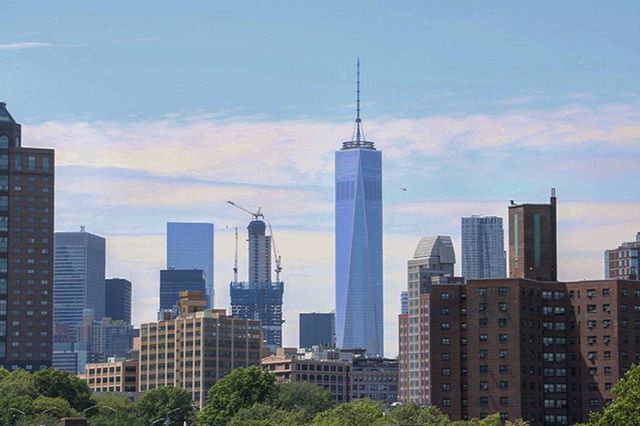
{"points": [[117, 374], [623, 262], [375, 378]]}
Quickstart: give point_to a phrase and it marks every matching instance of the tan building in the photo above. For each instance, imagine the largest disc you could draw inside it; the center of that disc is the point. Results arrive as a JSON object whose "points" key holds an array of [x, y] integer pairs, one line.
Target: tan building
{"points": [[115, 375], [196, 349], [332, 375]]}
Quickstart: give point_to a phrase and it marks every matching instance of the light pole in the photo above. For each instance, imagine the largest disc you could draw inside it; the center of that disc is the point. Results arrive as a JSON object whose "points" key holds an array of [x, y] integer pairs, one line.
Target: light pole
{"points": [[48, 409], [166, 417], [156, 421], [19, 411], [114, 410], [84, 412]]}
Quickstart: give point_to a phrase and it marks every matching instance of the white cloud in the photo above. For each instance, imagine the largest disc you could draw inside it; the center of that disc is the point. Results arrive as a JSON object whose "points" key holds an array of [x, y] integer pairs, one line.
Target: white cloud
{"points": [[25, 45]]}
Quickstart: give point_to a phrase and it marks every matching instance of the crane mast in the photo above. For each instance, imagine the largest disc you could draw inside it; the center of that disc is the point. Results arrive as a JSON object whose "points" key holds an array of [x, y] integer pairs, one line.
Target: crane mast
{"points": [[276, 257], [235, 259]]}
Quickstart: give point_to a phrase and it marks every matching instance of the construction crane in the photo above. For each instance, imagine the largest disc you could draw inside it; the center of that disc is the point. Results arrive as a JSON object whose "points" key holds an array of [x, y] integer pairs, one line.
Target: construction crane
{"points": [[256, 215], [235, 260], [276, 257]]}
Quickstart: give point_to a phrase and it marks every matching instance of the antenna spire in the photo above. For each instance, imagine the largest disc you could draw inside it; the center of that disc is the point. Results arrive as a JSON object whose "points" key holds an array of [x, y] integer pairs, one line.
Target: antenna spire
{"points": [[359, 132]]}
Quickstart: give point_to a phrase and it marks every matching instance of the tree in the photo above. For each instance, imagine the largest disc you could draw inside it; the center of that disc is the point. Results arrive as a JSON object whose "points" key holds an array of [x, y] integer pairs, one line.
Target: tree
{"points": [[38, 420], [54, 407], [242, 388], [17, 393], [413, 414], [59, 384], [156, 403], [625, 409], [4, 373], [363, 412], [103, 416], [302, 396], [267, 415]]}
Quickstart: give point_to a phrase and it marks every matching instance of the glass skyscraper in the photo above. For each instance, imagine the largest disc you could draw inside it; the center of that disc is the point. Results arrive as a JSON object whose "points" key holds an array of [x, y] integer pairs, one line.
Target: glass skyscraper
{"points": [[358, 227], [190, 246], [483, 254]]}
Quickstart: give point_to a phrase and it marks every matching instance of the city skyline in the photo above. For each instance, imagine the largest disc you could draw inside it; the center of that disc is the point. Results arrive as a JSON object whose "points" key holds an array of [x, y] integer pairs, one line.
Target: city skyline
{"points": [[564, 118]]}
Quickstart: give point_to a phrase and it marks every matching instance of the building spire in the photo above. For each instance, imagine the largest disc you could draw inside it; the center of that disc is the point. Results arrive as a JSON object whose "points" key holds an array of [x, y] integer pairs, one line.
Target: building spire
{"points": [[359, 132]]}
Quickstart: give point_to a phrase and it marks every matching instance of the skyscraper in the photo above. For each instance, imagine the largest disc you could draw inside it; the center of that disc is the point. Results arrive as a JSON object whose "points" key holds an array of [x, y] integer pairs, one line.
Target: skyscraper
{"points": [[358, 250], [26, 250], [173, 281], [533, 247], [118, 299], [623, 262], [483, 254], [79, 277], [190, 246], [316, 329], [260, 297]]}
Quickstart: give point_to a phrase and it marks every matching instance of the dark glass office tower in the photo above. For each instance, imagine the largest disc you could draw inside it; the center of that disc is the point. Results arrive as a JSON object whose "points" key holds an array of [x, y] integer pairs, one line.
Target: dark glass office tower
{"points": [[316, 329], [173, 281], [358, 227], [26, 250], [117, 299]]}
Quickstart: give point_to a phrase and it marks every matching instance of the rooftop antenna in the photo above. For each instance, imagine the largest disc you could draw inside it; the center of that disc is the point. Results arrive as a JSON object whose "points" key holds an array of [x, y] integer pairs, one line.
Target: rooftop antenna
{"points": [[359, 131]]}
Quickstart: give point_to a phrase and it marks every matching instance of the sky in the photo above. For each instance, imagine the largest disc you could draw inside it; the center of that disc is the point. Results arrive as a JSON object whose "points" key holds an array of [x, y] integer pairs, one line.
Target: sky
{"points": [[161, 111]]}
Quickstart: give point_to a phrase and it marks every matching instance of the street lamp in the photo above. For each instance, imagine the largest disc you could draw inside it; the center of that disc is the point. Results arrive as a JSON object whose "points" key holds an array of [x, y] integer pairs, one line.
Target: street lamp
{"points": [[156, 421], [84, 412], [114, 410], [19, 411], [166, 417]]}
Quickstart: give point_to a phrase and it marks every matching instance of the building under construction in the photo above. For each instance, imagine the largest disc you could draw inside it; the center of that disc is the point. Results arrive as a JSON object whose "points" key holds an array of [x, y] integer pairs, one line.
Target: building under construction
{"points": [[259, 297]]}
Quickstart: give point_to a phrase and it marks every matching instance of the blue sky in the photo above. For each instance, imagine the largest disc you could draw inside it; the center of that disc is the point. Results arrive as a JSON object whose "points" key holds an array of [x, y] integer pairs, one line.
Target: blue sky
{"points": [[162, 111]]}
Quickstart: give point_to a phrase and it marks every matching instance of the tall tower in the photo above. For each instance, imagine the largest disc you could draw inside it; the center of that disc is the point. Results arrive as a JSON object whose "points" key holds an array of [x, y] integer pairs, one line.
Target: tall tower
{"points": [[190, 246], [358, 227], [26, 250], [533, 241], [483, 254]]}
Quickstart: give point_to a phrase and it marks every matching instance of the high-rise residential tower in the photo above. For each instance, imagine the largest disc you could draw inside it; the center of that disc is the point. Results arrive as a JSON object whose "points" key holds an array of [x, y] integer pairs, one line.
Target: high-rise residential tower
{"points": [[533, 247], [358, 250], [190, 246], [623, 262], [118, 299], [483, 254], [79, 278], [260, 298], [26, 250]]}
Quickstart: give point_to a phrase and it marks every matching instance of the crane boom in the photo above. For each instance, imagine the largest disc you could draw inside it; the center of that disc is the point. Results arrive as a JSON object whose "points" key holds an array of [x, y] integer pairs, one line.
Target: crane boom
{"points": [[256, 215], [277, 258], [235, 260]]}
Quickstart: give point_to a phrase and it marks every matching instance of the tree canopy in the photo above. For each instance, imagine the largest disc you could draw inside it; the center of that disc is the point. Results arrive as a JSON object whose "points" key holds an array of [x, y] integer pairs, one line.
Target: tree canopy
{"points": [[302, 396], [625, 409], [157, 403]]}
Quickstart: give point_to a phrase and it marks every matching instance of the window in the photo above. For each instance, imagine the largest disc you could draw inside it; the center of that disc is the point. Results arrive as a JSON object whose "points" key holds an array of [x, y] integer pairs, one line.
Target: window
{"points": [[484, 400], [446, 386], [504, 369], [446, 341], [503, 338], [591, 308], [446, 356], [504, 384], [484, 385], [502, 322], [484, 369], [446, 371], [482, 292], [482, 353], [483, 322], [502, 353], [482, 307], [502, 307], [445, 326], [444, 296], [45, 164], [32, 163], [444, 311], [504, 400]]}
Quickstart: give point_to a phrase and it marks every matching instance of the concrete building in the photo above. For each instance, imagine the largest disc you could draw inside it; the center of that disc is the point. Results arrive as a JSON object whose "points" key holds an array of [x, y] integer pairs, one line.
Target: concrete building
{"points": [[260, 297], [533, 247], [118, 299], [116, 374], [358, 242], [190, 245], [173, 281], [26, 250], [330, 374], [622, 262], [433, 258], [483, 254], [375, 378], [196, 349], [70, 357], [79, 277], [316, 329]]}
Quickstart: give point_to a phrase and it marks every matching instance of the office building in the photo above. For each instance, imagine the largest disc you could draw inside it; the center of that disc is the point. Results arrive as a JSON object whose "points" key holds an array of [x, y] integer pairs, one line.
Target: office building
{"points": [[260, 298], [329, 374], [622, 262], [190, 246], [433, 261], [533, 241], [116, 374], [79, 278], [374, 378], [358, 242], [211, 344], [173, 281], [110, 338], [316, 329], [404, 302], [118, 299], [70, 357], [483, 254], [26, 250]]}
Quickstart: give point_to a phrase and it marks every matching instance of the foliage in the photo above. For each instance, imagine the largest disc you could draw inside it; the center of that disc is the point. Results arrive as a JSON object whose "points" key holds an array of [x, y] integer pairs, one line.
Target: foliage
{"points": [[18, 393], [103, 416], [302, 396], [625, 409], [59, 384], [156, 403], [3, 373], [413, 414], [363, 412], [267, 415], [38, 420], [54, 407], [242, 388]]}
